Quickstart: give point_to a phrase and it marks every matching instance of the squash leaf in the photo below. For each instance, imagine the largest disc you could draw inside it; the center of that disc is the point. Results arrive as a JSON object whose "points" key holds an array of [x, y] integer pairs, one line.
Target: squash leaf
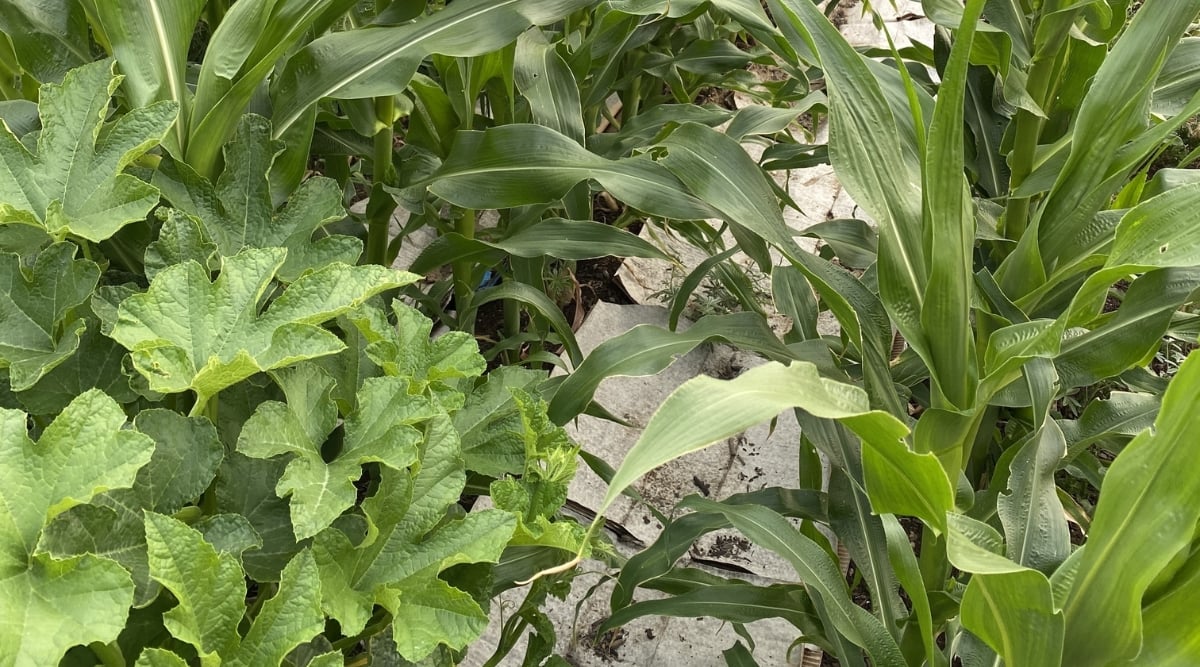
{"points": [[36, 333], [188, 333], [238, 211], [71, 182], [380, 430], [49, 605]]}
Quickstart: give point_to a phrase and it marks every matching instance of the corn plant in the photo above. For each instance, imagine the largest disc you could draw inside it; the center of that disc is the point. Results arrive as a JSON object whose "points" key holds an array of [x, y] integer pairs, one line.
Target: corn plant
{"points": [[994, 273]]}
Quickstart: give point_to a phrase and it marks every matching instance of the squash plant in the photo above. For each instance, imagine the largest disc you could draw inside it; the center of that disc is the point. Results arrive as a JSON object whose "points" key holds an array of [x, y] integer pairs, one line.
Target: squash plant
{"points": [[239, 447]]}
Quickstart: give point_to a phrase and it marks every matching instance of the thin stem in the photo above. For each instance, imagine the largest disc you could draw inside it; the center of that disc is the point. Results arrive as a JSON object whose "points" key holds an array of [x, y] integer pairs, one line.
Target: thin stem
{"points": [[512, 327], [463, 270], [109, 654], [378, 222]]}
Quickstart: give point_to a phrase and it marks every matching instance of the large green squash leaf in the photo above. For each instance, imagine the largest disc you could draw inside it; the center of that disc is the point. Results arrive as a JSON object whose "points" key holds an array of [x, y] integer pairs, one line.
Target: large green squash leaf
{"points": [[72, 183], [211, 591], [405, 349], [188, 333], [380, 430], [408, 546], [49, 37], [35, 334], [238, 211], [50, 605], [186, 457]]}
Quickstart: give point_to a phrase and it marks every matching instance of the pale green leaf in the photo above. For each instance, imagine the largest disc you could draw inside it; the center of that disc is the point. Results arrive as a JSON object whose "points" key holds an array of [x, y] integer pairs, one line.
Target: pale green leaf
{"points": [[51, 605], [158, 326], [490, 425], [429, 612], [209, 585], [238, 211], [35, 309], [407, 541], [380, 430], [73, 183], [290, 618], [185, 460]]}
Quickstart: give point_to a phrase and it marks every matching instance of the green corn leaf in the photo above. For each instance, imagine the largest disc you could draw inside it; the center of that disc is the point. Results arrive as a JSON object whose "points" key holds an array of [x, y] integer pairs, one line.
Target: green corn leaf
{"points": [[552, 237], [646, 350], [73, 182], [1168, 635], [409, 544], [1122, 414], [950, 226], [150, 40], [516, 165], [1179, 78], [1133, 334], [817, 569], [242, 53], [238, 211], [186, 457], [157, 325], [877, 168], [1035, 527], [49, 37], [38, 331], [656, 562], [211, 591], [1014, 613], [734, 602], [376, 61], [1111, 113], [50, 605], [1147, 513], [705, 410], [544, 78], [1154, 234], [539, 302], [380, 430]]}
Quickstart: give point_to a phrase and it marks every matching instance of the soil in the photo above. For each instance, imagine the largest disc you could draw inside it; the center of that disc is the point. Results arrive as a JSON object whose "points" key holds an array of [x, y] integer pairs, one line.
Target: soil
{"points": [[606, 646]]}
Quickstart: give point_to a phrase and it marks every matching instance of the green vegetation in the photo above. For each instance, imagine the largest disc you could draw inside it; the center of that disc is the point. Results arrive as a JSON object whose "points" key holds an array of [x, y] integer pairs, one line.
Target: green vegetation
{"points": [[231, 434]]}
